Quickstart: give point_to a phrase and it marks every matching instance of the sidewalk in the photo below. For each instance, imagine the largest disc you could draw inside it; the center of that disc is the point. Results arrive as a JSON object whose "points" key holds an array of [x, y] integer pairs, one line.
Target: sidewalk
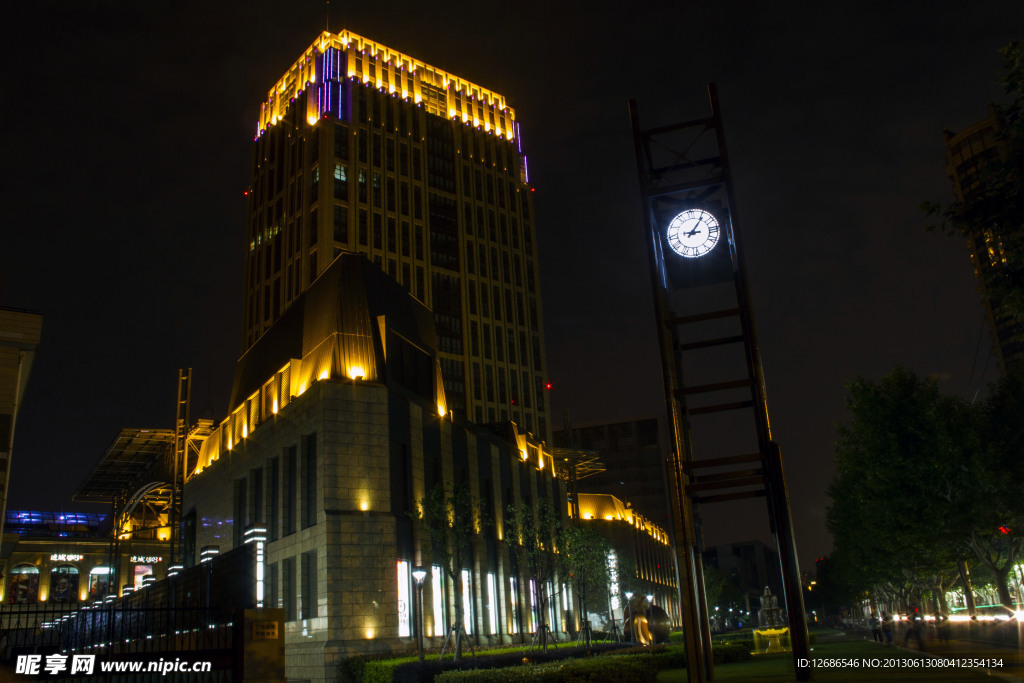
{"points": [[1012, 660]]}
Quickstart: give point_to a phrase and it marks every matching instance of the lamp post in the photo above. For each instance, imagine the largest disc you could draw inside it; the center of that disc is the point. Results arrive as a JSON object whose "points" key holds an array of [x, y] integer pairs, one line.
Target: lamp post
{"points": [[419, 573]]}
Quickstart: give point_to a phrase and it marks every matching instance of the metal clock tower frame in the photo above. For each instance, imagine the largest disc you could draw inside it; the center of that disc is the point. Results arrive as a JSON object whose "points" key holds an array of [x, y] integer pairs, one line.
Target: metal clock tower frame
{"points": [[674, 176]]}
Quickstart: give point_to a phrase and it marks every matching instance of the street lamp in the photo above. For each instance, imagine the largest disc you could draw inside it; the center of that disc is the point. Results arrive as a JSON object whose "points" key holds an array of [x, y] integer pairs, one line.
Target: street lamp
{"points": [[419, 573]]}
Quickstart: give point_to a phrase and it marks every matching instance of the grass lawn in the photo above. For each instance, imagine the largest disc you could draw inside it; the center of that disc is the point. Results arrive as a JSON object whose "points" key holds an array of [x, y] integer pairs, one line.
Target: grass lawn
{"points": [[779, 668]]}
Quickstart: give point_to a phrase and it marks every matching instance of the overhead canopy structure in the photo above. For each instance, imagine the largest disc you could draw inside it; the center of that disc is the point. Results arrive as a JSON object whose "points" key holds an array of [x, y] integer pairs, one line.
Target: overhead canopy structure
{"points": [[573, 464], [127, 460]]}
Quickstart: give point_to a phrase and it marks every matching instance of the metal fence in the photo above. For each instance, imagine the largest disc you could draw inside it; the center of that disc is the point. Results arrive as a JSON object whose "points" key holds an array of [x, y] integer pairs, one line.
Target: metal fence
{"points": [[193, 616]]}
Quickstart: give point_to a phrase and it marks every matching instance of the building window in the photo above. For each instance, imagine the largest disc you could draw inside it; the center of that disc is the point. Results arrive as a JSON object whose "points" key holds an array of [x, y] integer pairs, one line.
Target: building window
{"points": [[340, 182], [309, 480], [309, 581], [64, 583], [341, 224], [289, 588], [256, 495], [378, 231], [273, 587], [273, 499], [290, 490], [239, 510], [99, 582], [364, 237]]}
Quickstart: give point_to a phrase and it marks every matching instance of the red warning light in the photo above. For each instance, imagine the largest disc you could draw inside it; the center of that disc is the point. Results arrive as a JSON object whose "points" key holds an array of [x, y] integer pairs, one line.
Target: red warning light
{"points": [[548, 386]]}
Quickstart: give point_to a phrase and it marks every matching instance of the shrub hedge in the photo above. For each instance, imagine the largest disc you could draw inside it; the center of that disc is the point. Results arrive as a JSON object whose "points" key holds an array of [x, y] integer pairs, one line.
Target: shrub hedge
{"points": [[604, 669], [578, 664]]}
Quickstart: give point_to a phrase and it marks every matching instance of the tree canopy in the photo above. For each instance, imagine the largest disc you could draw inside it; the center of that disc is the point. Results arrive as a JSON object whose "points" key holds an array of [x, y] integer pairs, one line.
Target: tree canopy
{"points": [[925, 480]]}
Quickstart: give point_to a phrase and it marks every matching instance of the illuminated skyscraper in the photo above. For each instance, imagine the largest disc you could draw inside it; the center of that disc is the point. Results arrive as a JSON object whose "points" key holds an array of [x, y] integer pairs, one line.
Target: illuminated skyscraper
{"points": [[364, 149]]}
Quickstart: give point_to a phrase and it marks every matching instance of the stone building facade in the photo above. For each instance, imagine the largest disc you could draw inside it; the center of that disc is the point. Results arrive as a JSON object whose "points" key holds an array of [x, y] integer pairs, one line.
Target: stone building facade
{"points": [[332, 461]]}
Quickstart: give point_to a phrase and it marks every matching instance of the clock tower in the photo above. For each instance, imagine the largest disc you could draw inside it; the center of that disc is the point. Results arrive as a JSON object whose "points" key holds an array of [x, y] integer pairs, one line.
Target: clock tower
{"points": [[723, 450]]}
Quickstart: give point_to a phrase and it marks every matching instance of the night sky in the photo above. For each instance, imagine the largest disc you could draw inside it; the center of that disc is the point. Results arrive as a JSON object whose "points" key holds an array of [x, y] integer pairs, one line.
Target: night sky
{"points": [[127, 130]]}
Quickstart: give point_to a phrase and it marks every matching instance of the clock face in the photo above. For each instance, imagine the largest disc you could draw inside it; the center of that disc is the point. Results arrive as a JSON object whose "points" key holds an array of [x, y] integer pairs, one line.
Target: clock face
{"points": [[693, 233]]}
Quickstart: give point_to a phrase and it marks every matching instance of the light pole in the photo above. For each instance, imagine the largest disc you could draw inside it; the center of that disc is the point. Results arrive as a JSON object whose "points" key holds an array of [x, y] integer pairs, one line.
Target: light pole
{"points": [[419, 573]]}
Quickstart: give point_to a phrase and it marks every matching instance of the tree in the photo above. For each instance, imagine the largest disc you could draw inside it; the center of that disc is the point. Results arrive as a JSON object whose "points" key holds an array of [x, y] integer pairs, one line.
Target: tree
{"points": [[898, 499], [994, 207], [454, 519], [923, 482], [996, 467], [584, 554], [531, 532]]}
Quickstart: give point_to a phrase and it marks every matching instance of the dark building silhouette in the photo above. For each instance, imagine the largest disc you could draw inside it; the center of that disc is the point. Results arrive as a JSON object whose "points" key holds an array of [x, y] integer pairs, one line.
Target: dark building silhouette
{"points": [[968, 153]]}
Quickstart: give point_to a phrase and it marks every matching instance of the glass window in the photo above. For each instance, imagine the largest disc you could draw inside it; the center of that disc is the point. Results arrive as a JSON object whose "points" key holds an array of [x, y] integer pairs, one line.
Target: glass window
{"points": [[23, 587], [139, 572], [99, 582]]}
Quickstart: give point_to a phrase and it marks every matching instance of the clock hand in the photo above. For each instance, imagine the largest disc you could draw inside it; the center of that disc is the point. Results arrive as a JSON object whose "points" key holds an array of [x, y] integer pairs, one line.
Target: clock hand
{"points": [[694, 231]]}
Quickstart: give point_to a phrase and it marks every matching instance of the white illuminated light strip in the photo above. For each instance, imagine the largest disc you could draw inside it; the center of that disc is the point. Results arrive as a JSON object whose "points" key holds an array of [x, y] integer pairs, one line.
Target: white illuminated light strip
{"points": [[512, 603], [491, 597], [258, 535], [403, 598], [435, 583], [466, 620]]}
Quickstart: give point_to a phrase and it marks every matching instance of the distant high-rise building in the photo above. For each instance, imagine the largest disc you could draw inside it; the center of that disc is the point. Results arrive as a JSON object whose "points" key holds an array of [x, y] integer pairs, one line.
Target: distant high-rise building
{"points": [[19, 338], [967, 155], [633, 453], [361, 148]]}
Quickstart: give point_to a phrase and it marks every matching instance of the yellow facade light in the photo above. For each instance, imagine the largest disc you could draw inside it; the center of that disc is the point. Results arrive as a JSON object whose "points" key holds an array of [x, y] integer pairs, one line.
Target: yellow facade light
{"points": [[245, 430], [274, 409], [312, 119], [356, 372], [369, 634], [324, 374], [441, 411], [364, 505]]}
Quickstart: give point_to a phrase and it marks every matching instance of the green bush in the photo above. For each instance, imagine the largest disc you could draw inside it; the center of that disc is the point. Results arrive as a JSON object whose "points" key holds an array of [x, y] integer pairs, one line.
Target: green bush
{"points": [[606, 669], [727, 653]]}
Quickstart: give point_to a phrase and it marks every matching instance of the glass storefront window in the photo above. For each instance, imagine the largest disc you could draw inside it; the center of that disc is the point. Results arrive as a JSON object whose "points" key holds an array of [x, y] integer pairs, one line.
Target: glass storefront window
{"points": [[64, 583], [23, 586]]}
